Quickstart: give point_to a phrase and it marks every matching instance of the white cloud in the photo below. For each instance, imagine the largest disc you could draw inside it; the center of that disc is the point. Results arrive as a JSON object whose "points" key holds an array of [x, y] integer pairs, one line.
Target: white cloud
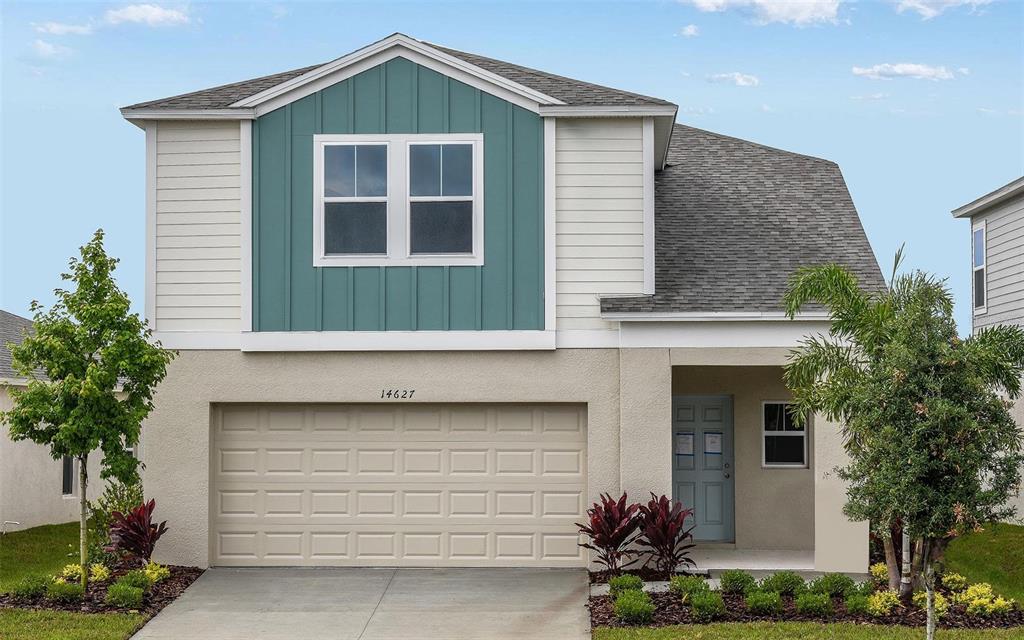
{"points": [[798, 12], [690, 31], [986, 111], [871, 96], [766, 109], [736, 78], [279, 11], [62, 29], [928, 9], [697, 111], [964, 71], [887, 71], [43, 50], [148, 14]]}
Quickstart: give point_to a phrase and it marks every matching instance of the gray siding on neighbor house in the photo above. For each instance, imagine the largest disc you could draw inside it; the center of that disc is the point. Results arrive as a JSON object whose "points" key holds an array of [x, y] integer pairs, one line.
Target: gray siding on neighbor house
{"points": [[1004, 240]]}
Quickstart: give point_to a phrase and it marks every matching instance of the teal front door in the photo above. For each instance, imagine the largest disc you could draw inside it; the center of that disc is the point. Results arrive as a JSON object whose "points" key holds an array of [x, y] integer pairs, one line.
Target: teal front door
{"points": [[702, 463]]}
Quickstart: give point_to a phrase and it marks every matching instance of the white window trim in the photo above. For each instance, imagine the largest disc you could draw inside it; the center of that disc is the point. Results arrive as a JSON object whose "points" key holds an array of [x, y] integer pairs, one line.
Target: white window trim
{"points": [[789, 434], [398, 200], [982, 226]]}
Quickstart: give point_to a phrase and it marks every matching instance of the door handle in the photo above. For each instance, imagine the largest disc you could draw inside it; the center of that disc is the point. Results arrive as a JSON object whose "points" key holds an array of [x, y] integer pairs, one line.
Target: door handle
{"points": [[727, 476]]}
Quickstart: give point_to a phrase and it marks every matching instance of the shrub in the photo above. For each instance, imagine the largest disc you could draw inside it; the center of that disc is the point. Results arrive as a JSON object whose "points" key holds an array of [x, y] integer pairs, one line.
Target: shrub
{"points": [[865, 588], [979, 591], [31, 586], [995, 606], [735, 581], [920, 600], [688, 586], [99, 572], [663, 531], [634, 607], [157, 572], [117, 496], [135, 534], [954, 582], [707, 606], [618, 584], [787, 583], [612, 527], [764, 603], [836, 585], [59, 591], [857, 603], [137, 579], [124, 596], [881, 603], [814, 604], [70, 573], [879, 572]]}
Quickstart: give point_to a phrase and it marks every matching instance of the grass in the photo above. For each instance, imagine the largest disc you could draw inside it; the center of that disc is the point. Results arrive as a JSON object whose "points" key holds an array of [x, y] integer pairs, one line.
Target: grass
{"points": [[23, 624], [794, 631], [995, 555], [39, 550]]}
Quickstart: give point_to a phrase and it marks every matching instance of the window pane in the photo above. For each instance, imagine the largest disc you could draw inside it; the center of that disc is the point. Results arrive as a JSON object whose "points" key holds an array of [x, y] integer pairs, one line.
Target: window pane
{"points": [[979, 288], [784, 450], [371, 170], [773, 417], [355, 227], [979, 247], [425, 170], [441, 227], [339, 171], [457, 167], [67, 481]]}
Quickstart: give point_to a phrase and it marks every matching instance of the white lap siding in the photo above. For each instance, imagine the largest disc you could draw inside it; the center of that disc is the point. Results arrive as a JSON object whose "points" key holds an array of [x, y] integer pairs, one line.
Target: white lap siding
{"points": [[198, 241], [598, 216]]}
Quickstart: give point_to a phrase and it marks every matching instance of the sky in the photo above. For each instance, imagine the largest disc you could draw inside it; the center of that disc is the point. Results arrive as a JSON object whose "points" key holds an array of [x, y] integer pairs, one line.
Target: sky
{"points": [[919, 101]]}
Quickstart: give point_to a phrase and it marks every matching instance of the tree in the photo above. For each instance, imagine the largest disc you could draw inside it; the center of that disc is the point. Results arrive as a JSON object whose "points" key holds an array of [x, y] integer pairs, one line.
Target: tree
{"points": [[99, 369], [930, 440]]}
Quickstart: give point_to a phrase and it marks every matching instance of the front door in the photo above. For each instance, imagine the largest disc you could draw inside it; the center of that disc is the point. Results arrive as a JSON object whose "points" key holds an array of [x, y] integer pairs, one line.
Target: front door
{"points": [[702, 463]]}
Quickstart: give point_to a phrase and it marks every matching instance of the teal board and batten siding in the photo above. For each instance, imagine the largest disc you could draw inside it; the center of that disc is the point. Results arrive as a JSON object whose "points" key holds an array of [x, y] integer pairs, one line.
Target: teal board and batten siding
{"points": [[506, 293]]}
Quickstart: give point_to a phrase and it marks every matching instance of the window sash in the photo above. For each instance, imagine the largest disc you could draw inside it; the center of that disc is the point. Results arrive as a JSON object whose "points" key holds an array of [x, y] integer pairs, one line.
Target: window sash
{"points": [[765, 434], [67, 480], [979, 271]]}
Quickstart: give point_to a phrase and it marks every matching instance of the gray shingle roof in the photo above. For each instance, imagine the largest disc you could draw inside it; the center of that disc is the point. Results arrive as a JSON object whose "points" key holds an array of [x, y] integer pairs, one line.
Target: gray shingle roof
{"points": [[572, 92], [12, 329], [735, 219]]}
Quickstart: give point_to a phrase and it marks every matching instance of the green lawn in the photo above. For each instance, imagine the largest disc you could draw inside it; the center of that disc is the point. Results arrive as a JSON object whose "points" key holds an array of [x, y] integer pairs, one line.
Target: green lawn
{"points": [[795, 631], [21, 624], [37, 550], [996, 556]]}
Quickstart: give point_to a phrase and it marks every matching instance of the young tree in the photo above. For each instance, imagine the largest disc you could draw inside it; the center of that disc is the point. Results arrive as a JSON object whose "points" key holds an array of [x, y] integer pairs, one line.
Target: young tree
{"points": [[100, 369], [930, 439]]}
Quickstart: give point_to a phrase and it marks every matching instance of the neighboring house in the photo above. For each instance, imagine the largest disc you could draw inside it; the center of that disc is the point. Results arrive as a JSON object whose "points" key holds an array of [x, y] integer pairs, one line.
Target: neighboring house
{"points": [[429, 305], [997, 267], [35, 489]]}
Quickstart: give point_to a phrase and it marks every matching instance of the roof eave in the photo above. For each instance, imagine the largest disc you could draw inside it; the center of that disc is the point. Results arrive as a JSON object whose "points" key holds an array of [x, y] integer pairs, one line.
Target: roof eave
{"points": [[711, 316], [142, 114], [990, 199]]}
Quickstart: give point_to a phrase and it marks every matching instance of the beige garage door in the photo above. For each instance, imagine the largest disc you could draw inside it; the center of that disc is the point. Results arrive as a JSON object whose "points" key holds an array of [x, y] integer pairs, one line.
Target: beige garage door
{"points": [[415, 485]]}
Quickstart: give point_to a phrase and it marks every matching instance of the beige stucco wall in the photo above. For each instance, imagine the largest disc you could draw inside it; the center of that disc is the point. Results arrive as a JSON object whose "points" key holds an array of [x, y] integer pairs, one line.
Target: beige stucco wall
{"points": [[839, 545], [1017, 411], [774, 507], [30, 482]]}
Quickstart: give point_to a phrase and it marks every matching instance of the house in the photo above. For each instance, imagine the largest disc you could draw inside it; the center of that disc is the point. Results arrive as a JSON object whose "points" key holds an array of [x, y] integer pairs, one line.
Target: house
{"points": [[997, 266], [35, 489], [430, 304]]}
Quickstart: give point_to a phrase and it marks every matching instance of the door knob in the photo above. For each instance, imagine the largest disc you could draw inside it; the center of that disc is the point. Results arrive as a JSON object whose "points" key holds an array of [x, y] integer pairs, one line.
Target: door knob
{"points": [[727, 476]]}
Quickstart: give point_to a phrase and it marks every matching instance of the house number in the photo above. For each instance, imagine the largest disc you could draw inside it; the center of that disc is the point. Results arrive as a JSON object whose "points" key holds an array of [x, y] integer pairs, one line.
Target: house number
{"points": [[397, 394]]}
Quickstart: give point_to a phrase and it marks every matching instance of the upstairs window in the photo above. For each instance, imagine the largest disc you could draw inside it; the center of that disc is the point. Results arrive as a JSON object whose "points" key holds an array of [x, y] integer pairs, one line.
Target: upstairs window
{"points": [[399, 200], [784, 442], [980, 257]]}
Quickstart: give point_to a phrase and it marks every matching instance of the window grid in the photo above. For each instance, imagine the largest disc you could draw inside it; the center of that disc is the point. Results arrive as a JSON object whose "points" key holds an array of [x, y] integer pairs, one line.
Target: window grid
{"points": [[781, 433]]}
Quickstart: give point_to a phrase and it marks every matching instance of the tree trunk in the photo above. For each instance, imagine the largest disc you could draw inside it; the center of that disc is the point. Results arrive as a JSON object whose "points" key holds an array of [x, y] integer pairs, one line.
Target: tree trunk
{"points": [[905, 585], [917, 564], [890, 559], [83, 531], [928, 576]]}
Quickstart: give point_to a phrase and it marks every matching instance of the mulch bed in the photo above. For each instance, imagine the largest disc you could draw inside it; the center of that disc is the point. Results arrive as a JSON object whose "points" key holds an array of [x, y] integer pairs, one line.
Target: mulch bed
{"points": [[671, 611], [159, 595]]}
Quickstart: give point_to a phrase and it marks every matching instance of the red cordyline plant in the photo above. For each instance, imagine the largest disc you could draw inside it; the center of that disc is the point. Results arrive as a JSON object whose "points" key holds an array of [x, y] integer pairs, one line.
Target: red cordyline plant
{"points": [[135, 534], [612, 528], [663, 531]]}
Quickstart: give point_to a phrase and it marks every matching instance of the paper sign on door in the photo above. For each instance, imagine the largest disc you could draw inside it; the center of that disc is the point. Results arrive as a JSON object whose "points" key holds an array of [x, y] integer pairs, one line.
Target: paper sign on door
{"points": [[684, 444], [713, 442]]}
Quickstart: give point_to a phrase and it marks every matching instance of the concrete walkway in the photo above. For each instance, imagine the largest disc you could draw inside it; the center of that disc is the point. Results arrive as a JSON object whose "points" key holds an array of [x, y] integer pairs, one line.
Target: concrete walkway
{"points": [[378, 604]]}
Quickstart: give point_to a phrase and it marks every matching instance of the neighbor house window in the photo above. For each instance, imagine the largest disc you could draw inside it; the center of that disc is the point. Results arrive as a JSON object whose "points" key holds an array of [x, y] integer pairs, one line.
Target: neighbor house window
{"points": [[67, 479], [406, 199], [784, 442], [980, 261]]}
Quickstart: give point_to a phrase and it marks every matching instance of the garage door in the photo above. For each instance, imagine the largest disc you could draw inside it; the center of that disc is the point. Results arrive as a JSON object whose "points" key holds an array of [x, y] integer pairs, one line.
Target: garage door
{"points": [[418, 485]]}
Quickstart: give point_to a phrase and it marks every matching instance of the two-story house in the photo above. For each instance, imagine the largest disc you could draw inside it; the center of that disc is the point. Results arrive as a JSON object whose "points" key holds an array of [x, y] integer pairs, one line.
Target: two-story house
{"points": [[430, 304], [997, 266]]}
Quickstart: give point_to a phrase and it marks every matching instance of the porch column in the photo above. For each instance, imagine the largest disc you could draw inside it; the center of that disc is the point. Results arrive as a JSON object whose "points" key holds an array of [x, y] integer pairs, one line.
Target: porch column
{"points": [[645, 427], [839, 545]]}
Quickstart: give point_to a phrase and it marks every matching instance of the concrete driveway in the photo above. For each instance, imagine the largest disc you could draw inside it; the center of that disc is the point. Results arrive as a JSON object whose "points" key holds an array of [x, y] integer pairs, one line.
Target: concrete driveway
{"points": [[378, 604]]}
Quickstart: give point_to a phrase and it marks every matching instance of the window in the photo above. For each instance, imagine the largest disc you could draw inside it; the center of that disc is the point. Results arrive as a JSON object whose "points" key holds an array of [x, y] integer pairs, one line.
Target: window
{"points": [[784, 442], [980, 292], [407, 199], [67, 480]]}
